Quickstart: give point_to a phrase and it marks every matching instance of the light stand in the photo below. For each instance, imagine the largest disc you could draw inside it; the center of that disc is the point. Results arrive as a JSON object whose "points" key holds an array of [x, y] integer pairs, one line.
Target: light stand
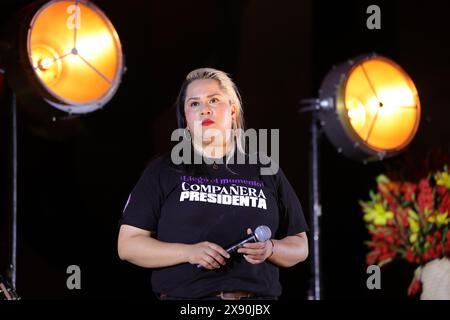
{"points": [[369, 109], [9, 120], [61, 58], [13, 206], [313, 106]]}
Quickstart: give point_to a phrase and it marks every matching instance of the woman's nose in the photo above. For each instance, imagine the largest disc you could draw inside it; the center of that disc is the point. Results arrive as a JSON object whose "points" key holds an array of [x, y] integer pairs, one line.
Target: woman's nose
{"points": [[206, 109]]}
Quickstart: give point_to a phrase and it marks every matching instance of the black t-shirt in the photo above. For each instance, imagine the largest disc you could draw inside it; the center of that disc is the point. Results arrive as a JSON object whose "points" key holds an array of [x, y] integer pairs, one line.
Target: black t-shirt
{"points": [[215, 203]]}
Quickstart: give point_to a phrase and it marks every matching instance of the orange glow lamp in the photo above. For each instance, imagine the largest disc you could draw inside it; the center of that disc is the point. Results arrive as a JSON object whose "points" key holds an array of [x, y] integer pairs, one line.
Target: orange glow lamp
{"points": [[370, 108], [67, 53]]}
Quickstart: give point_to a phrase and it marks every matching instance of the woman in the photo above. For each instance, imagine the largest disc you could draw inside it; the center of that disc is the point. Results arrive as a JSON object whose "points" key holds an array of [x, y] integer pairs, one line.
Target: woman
{"points": [[179, 219]]}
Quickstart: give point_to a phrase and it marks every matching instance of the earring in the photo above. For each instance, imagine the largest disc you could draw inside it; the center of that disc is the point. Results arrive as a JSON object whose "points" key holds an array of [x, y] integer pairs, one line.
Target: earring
{"points": [[184, 134]]}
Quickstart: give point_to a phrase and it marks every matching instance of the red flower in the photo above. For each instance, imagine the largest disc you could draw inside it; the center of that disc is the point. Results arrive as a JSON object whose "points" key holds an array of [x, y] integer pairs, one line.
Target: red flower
{"points": [[370, 259], [410, 255], [447, 246], [438, 236], [408, 190], [438, 250], [445, 204], [414, 287], [441, 190], [433, 253], [390, 239], [425, 198], [382, 248], [403, 215], [380, 236]]}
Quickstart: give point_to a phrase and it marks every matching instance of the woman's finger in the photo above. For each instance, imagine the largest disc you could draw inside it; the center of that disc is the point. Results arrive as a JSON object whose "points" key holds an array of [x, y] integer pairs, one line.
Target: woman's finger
{"points": [[253, 252], [251, 260]]}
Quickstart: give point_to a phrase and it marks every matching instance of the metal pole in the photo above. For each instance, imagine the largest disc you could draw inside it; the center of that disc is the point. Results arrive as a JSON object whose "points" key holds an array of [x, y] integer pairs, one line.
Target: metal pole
{"points": [[315, 209], [12, 183], [13, 167]]}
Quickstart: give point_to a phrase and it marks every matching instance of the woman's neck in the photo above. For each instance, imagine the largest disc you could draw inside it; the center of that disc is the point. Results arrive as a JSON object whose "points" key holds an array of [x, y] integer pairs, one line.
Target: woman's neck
{"points": [[209, 150]]}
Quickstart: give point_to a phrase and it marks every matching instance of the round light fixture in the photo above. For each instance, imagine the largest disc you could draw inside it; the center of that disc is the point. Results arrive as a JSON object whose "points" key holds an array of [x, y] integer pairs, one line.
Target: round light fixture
{"points": [[67, 54], [370, 108]]}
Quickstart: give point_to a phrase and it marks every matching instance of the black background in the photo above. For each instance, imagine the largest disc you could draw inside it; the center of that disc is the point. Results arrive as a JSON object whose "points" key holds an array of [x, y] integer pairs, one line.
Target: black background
{"points": [[72, 187]]}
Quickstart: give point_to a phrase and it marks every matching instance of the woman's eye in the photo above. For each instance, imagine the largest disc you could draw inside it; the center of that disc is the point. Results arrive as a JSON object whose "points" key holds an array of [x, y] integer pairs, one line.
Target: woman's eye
{"points": [[194, 104], [214, 100]]}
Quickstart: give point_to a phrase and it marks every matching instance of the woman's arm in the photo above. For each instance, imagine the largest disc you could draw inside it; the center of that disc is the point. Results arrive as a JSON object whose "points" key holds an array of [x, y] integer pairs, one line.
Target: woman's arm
{"points": [[290, 250], [285, 252], [138, 247]]}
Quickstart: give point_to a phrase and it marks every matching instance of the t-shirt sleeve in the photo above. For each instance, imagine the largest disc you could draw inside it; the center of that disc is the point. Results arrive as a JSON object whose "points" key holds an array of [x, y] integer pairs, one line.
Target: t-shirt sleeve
{"points": [[143, 206], [291, 212]]}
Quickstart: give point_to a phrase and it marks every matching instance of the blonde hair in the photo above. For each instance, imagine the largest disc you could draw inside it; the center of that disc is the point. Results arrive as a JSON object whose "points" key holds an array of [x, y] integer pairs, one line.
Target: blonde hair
{"points": [[229, 88]]}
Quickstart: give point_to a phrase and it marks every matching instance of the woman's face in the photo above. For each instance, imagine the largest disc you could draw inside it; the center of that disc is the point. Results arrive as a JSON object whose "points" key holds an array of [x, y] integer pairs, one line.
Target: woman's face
{"points": [[208, 111]]}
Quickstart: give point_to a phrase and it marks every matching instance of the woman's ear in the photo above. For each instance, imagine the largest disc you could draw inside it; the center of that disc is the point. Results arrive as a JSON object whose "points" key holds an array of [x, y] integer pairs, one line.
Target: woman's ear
{"points": [[233, 111]]}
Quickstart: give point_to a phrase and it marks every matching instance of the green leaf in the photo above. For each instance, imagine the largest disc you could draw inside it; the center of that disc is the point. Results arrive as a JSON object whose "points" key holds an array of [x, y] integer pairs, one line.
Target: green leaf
{"points": [[413, 215], [374, 196], [444, 235], [382, 179]]}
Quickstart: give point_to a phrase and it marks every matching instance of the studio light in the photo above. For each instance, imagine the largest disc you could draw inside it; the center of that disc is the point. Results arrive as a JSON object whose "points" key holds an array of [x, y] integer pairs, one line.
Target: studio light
{"points": [[371, 108], [61, 59], [66, 54]]}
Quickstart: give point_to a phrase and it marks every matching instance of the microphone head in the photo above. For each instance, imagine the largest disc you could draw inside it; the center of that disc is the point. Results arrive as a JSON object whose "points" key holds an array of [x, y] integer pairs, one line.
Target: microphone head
{"points": [[263, 233]]}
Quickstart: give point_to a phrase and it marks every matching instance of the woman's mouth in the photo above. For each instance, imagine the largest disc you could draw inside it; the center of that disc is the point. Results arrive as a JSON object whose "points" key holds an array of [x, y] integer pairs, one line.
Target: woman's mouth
{"points": [[207, 122]]}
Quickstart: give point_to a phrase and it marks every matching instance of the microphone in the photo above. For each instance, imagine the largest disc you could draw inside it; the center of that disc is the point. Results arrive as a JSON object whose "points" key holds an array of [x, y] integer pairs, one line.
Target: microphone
{"points": [[261, 233]]}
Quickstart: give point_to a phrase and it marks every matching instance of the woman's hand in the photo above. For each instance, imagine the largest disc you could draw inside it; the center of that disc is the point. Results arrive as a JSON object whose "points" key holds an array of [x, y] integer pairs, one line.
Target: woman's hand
{"points": [[256, 252], [207, 254]]}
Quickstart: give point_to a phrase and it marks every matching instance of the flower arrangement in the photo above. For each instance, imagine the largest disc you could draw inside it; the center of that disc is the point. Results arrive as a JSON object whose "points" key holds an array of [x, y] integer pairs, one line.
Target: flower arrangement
{"points": [[408, 220]]}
